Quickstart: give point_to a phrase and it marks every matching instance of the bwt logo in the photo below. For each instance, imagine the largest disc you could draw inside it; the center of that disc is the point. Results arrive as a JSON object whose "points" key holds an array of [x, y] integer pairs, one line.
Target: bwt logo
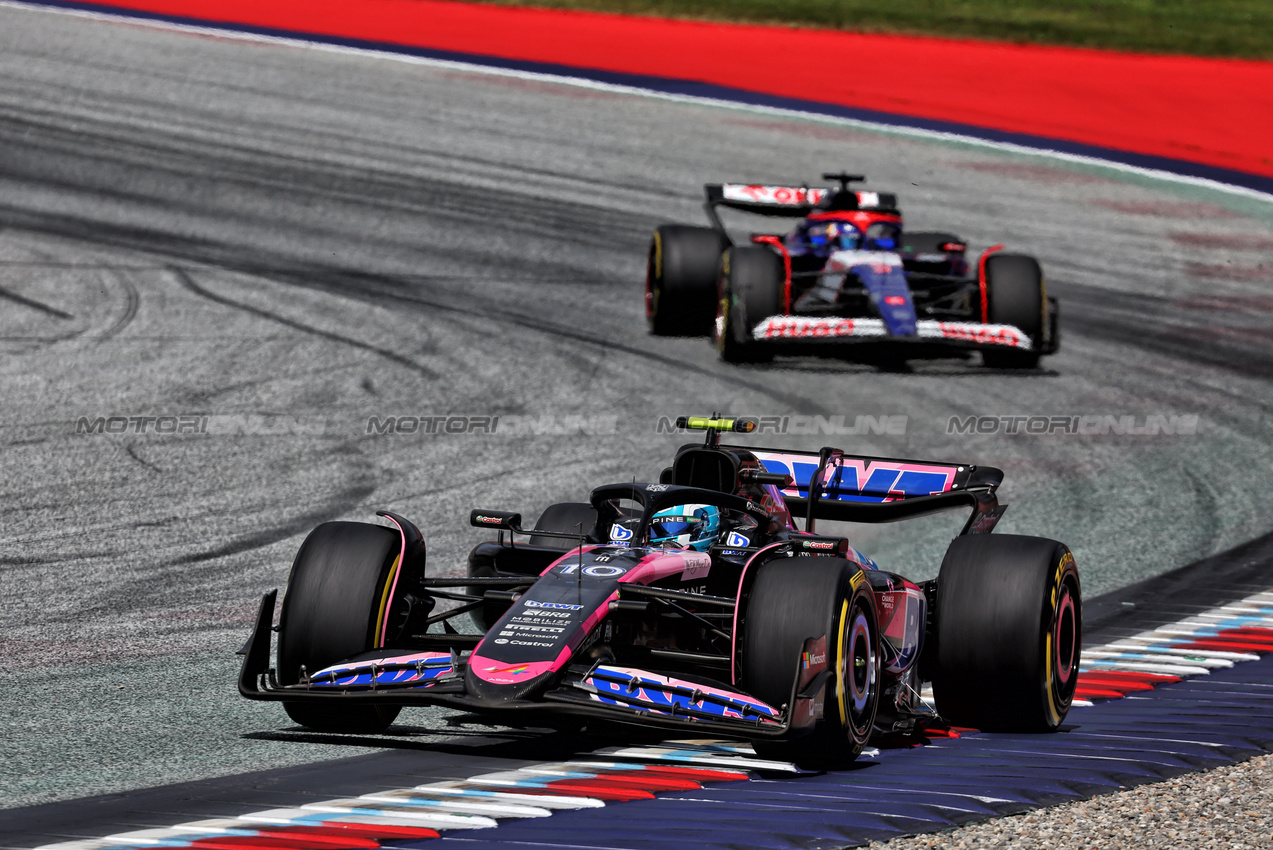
{"points": [[857, 480], [1084, 425], [554, 606]]}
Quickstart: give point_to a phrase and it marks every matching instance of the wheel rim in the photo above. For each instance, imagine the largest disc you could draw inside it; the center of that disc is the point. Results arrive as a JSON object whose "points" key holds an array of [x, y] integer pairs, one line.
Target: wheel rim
{"points": [[1065, 641], [718, 326], [653, 270], [721, 326], [858, 656], [649, 294]]}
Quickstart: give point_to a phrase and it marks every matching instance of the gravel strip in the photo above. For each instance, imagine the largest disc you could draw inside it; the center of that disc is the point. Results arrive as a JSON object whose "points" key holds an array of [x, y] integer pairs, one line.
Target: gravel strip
{"points": [[1229, 807]]}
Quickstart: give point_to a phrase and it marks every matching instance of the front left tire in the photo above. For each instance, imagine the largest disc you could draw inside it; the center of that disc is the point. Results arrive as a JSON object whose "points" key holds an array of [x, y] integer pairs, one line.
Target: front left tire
{"points": [[333, 609], [792, 600]]}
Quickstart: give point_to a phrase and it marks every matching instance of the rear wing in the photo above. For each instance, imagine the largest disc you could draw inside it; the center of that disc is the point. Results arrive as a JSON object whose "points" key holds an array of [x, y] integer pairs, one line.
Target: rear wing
{"points": [[787, 201], [854, 488]]}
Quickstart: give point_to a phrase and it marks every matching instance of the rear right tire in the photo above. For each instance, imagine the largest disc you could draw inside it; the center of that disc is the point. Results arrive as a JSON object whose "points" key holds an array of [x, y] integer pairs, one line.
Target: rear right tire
{"points": [[1009, 625]]}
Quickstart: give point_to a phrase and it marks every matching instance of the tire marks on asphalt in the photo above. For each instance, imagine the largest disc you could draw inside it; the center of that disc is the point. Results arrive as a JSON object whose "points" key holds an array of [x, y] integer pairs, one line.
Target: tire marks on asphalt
{"points": [[186, 280], [48, 310]]}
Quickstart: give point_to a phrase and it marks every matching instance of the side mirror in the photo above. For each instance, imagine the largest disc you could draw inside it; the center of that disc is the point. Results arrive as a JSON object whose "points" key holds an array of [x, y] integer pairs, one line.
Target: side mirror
{"points": [[503, 520]]}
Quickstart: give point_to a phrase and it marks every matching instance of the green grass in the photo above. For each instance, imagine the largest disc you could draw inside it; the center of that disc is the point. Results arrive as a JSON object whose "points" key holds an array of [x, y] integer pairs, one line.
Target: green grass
{"points": [[1228, 28]]}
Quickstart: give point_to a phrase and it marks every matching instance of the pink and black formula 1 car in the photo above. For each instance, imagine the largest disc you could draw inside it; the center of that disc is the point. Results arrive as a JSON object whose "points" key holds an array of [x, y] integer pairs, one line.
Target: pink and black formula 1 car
{"points": [[705, 603], [847, 273]]}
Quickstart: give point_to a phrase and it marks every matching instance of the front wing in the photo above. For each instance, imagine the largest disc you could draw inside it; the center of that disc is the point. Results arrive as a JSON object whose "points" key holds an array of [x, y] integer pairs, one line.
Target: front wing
{"points": [[615, 692], [802, 329]]}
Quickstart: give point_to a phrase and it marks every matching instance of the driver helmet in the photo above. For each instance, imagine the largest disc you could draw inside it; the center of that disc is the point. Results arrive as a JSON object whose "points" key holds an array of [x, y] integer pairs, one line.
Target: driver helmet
{"points": [[825, 237], [686, 527]]}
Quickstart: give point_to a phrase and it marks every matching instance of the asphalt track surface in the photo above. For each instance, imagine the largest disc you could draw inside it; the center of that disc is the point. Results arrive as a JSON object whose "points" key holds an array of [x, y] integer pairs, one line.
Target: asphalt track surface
{"points": [[291, 241]]}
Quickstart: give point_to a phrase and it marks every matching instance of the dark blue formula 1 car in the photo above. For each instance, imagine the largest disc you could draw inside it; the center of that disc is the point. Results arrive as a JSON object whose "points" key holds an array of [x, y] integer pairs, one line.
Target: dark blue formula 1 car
{"points": [[847, 273], [710, 602]]}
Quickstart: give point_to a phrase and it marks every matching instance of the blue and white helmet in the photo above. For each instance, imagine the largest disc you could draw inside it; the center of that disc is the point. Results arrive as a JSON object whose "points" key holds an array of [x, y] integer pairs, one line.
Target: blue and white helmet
{"points": [[823, 237], [686, 527]]}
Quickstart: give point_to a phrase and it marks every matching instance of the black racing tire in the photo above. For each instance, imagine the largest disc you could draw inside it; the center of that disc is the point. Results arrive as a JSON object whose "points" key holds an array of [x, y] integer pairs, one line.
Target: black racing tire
{"points": [[565, 517], [680, 279], [331, 611], [790, 601], [1009, 626], [751, 289], [1053, 342], [1016, 295]]}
